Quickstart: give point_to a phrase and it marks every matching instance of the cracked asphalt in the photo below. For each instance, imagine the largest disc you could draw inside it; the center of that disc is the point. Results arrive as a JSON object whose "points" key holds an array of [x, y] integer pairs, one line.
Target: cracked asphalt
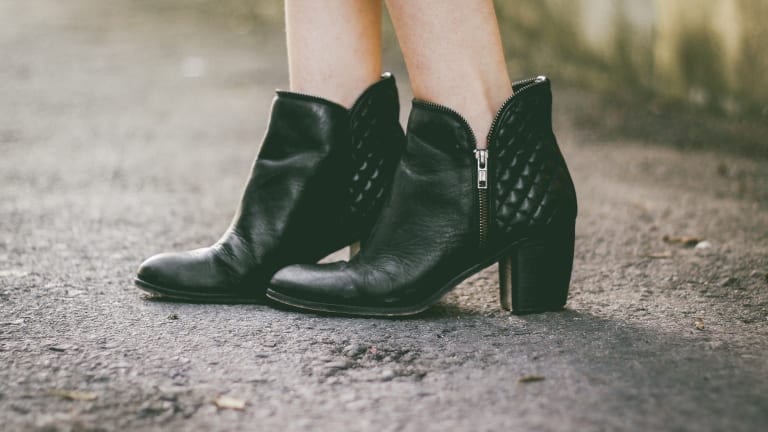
{"points": [[128, 128]]}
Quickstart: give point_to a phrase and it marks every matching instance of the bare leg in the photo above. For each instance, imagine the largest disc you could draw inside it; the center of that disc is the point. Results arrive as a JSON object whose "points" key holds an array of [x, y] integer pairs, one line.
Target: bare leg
{"points": [[454, 56], [334, 47]]}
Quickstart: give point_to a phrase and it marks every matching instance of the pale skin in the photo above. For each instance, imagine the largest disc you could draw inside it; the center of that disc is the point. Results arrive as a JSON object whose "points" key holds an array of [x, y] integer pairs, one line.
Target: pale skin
{"points": [[334, 47], [452, 49]]}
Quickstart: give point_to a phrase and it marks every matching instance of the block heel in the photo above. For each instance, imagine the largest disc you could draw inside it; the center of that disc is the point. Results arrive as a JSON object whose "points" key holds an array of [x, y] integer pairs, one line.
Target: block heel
{"points": [[535, 275]]}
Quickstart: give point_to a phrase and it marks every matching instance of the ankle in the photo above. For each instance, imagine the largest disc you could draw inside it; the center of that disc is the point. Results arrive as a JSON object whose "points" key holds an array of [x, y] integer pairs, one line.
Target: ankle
{"points": [[481, 112], [480, 117]]}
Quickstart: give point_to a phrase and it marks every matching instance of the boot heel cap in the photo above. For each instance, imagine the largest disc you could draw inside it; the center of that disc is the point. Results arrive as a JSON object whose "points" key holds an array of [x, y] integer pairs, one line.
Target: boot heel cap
{"points": [[535, 276]]}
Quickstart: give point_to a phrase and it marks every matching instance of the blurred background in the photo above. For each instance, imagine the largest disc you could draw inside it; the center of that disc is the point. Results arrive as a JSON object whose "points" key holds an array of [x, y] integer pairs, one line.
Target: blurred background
{"points": [[703, 53], [678, 72]]}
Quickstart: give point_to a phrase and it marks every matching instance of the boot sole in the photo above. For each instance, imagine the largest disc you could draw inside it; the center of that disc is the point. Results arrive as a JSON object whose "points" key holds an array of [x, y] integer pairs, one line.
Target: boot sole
{"points": [[197, 298], [373, 311]]}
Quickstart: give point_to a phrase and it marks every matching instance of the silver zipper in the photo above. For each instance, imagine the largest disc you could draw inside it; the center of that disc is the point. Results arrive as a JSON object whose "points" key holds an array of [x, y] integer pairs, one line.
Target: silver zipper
{"points": [[482, 168], [482, 193]]}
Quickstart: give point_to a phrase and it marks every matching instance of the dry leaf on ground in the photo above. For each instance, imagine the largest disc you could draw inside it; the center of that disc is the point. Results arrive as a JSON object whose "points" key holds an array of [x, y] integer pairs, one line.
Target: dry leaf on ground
{"points": [[687, 241], [226, 402], [530, 378], [699, 325]]}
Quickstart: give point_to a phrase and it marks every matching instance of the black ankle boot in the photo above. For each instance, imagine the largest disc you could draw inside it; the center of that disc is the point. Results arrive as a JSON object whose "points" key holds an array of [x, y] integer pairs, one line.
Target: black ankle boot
{"points": [[453, 211], [316, 186]]}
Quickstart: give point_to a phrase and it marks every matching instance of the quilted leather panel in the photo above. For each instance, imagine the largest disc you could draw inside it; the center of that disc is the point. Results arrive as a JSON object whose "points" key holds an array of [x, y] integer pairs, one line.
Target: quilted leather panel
{"points": [[532, 185], [377, 143]]}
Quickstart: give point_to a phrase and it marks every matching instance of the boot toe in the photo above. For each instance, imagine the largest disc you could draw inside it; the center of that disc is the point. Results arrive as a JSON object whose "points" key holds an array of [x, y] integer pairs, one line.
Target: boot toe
{"points": [[317, 283], [160, 270], [178, 273]]}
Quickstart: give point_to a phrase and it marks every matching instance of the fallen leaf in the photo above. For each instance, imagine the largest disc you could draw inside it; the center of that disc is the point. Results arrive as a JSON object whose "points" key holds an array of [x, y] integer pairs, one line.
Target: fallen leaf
{"points": [[684, 241], [657, 255], [74, 395], [699, 325], [226, 402], [530, 378]]}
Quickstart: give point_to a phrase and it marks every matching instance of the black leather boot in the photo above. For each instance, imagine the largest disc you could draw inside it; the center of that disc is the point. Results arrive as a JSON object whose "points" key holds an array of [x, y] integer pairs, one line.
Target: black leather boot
{"points": [[317, 185], [453, 211]]}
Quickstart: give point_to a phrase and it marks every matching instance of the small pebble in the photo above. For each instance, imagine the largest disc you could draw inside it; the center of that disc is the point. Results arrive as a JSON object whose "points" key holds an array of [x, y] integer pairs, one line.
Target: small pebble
{"points": [[354, 350]]}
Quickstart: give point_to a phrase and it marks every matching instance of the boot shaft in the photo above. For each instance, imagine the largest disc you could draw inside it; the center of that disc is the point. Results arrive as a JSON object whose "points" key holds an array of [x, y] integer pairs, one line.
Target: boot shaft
{"points": [[354, 152]]}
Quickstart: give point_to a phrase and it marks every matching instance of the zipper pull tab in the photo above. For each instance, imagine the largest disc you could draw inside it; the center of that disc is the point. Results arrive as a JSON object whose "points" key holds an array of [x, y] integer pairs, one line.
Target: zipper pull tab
{"points": [[482, 168]]}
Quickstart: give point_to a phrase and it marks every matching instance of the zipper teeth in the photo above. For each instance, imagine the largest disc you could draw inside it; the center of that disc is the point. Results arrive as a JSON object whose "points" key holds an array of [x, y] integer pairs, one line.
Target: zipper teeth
{"points": [[483, 210], [482, 194], [526, 83]]}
